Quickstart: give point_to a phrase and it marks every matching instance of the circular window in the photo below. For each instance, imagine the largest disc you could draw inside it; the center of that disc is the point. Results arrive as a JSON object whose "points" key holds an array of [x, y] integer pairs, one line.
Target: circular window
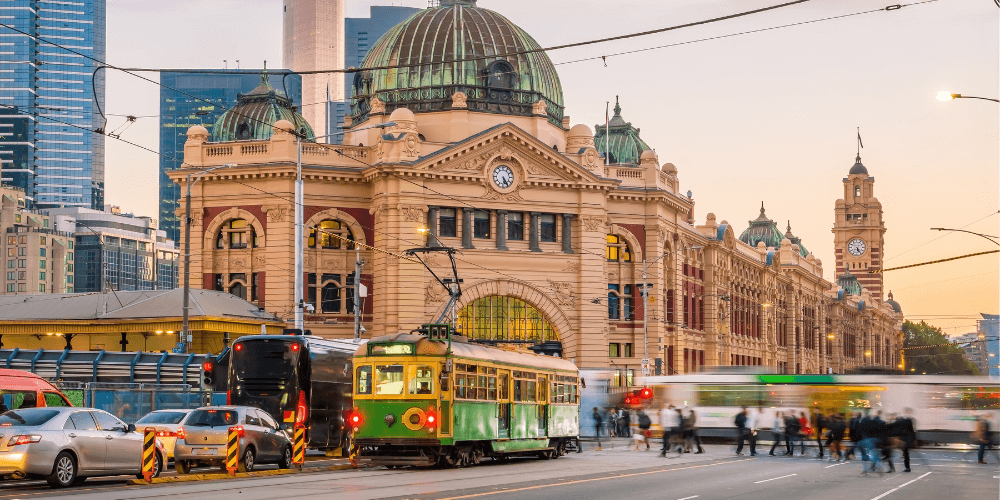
{"points": [[243, 131]]}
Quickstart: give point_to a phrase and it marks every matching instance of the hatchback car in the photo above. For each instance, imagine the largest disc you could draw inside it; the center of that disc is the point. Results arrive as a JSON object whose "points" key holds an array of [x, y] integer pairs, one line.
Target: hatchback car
{"points": [[67, 445], [165, 423], [202, 437]]}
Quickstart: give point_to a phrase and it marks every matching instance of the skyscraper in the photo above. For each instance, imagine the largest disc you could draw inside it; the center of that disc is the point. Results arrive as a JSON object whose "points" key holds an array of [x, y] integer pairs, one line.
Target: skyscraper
{"points": [[360, 34], [313, 33], [179, 111], [48, 101]]}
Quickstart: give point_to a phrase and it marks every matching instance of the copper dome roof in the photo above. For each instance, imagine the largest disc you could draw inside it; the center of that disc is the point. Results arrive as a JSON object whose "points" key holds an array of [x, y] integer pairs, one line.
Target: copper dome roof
{"points": [[255, 113]]}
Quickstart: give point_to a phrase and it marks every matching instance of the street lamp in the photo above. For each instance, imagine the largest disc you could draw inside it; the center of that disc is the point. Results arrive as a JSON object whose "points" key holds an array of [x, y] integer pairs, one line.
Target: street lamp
{"points": [[944, 95], [185, 331], [991, 239], [645, 308], [299, 302]]}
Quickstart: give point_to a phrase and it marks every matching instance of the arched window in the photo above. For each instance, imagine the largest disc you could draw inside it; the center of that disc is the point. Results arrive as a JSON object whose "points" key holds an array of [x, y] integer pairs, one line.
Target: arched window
{"points": [[857, 191], [238, 289], [236, 233], [331, 234], [505, 319], [618, 249]]}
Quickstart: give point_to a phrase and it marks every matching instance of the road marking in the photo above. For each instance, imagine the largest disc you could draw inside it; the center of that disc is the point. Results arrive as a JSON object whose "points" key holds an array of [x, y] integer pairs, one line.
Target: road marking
{"points": [[901, 486], [487, 493], [689, 498], [774, 478], [834, 465]]}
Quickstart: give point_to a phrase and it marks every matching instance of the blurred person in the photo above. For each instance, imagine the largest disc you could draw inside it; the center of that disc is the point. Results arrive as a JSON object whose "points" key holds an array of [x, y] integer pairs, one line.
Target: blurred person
{"points": [[691, 424], [837, 428], [902, 432], [778, 433], [868, 443], [669, 423], [612, 423], [854, 433], [981, 436], [742, 432], [819, 424], [598, 423], [644, 433], [792, 427], [625, 423], [884, 441], [757, 422]]}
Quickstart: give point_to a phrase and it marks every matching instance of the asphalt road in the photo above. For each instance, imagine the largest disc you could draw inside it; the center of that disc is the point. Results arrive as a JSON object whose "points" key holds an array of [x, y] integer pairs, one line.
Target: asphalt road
{"points": [[613, 473]]}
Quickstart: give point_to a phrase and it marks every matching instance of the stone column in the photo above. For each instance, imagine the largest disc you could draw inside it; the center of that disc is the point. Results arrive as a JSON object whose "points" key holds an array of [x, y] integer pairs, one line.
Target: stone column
{"points": [[432, 225], [501, 230], [567, 233], [533, 237], [467, 228]]}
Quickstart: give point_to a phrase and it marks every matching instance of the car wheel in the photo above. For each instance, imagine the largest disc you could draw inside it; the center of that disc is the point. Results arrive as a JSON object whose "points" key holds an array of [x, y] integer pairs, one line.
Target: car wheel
{"points": [[63, 471], [246, 465], [286, 458], [182, 466], [157, 467]]}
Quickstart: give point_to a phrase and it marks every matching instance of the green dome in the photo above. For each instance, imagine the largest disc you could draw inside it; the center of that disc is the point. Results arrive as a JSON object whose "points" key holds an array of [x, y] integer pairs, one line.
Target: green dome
{"points": [[255, 113], [762, 229], [429, 43], [624, 142], [796, 240], [849, 283]]}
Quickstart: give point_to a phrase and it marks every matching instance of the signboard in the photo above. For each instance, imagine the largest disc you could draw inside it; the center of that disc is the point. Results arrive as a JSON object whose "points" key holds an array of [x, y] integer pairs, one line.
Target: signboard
{"points": [[390, 349]]}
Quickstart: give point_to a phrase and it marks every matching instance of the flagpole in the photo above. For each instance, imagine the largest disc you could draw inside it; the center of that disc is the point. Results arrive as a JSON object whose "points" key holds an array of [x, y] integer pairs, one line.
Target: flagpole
{"points": [[607, 134]]}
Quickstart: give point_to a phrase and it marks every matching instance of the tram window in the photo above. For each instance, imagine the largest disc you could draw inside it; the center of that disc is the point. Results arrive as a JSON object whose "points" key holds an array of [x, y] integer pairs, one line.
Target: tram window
{"points": [[531, 392], [725, 395], [492, 389], [421, 379], [364, 380], [517, 390], [460, 389], [389, 379], [504, 386]]}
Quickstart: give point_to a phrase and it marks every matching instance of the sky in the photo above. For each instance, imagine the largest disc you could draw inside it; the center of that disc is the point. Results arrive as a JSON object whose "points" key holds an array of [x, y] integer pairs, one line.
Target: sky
{"points": [[766, 117]]}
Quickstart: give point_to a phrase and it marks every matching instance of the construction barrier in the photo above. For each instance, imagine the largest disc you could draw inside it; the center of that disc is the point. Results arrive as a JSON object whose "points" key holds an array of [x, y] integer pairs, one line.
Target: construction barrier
{"points": [[232, 451], [148, 453], [299, 446]]}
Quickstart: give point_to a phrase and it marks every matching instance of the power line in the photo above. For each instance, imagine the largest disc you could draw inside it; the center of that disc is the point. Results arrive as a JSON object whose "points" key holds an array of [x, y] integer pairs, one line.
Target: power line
{"points": [[991, 214], [878, 271]]}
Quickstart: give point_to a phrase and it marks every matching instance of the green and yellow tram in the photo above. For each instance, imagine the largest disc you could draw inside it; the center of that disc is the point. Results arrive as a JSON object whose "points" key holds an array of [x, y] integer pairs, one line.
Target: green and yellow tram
{"points": [[425, 402]]}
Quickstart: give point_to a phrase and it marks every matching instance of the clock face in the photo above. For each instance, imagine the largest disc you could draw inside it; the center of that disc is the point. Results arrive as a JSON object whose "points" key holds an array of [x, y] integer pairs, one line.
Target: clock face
{"points": [[503, 177], [856, 247]]}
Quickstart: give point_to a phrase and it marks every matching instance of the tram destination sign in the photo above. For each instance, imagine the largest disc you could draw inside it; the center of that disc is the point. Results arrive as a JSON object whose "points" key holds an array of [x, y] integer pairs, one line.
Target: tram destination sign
{"points": [[389, 349]]}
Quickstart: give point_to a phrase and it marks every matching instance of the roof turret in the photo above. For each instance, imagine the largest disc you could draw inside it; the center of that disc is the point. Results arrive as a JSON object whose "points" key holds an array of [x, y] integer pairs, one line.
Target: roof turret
{"points": [[255, 113], [762, 229], [623, 142]]}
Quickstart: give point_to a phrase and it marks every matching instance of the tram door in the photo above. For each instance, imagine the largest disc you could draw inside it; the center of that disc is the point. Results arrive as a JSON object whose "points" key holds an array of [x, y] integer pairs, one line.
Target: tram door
{"points": [[503, 404], [543, 405]]}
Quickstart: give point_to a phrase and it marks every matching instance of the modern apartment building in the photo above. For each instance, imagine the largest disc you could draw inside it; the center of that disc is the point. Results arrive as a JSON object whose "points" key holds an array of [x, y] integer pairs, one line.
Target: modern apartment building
{"points": [[178, 112], [48, 99], [118, 251], [989, 329], [36, 257], [974, 347], [313, 38]]}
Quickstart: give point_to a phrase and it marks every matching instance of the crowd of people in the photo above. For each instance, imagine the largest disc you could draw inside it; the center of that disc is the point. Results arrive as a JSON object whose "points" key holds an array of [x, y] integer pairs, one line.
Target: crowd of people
{"points": [[865, 436]]}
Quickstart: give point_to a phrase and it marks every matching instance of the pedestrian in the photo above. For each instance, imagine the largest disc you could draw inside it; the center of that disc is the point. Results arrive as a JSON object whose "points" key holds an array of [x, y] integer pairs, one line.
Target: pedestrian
{"points": [[612, 423], [837, 428], [757, 422], [642, 436], [670, 424], [853, 433], [981, 436], [598, 423], [778, 432], [819, 424], [908, 436], [793, 429], [881, 430], [626, 423], [742, 432], [868, 443], [692, 422]]}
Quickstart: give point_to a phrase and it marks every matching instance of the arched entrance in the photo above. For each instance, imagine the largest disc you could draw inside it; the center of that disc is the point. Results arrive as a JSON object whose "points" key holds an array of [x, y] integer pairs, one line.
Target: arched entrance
{"points": [[505, 320]]}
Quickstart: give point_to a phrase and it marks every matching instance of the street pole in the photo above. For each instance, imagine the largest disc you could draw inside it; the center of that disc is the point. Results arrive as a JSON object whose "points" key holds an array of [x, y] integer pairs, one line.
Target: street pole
{"points": [[187, 266], [299, 306], [645, 323], [357, 292]]}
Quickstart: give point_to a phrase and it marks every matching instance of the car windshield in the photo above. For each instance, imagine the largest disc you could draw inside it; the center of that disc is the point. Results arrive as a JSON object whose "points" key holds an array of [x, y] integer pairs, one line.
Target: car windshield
{"points": [[163, 417], [29, 417], [211, 418]]}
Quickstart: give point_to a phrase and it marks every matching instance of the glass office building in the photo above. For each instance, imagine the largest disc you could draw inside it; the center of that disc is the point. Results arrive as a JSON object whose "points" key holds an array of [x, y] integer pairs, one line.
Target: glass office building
{"points": [[47, 101], [178, 112]]}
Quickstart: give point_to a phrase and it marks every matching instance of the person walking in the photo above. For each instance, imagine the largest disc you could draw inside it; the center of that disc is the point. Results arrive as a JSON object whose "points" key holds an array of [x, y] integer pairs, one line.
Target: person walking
{"points": [[902, 431], [881, 430], [670, 424], [837, 428], [626, 423], [643, 435], [804, 431], [778, 433], [792, 428], [692, 422], [981, 436], [741, 429], [612, 423], [598, 423], [819, 424], [757, 422], [868, 430], [854, 434]]}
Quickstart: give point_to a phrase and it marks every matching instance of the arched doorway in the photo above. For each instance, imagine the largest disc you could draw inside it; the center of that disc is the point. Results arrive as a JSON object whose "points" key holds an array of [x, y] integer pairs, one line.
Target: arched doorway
{"points": [[505, 320]]}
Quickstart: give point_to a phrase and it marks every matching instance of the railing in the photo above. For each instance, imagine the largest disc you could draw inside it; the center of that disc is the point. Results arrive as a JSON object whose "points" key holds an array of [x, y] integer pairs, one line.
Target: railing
{"points": [[130, 402], [218, 151], [253, 149], [33, 229]]}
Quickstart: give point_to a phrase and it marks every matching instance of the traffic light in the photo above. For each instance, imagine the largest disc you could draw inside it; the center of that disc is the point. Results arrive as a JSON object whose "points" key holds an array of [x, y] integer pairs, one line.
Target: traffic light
{"points": [[208, 376], [438, 331], [646, 393]]}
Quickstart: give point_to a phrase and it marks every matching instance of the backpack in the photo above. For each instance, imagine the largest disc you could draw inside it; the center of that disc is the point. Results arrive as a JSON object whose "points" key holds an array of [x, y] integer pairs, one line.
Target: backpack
{"points": [[741, 420], [644, 421]]}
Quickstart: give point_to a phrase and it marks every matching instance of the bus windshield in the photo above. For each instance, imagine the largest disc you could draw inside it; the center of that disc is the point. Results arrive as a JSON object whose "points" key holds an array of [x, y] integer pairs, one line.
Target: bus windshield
{"points": [[270, 360]]}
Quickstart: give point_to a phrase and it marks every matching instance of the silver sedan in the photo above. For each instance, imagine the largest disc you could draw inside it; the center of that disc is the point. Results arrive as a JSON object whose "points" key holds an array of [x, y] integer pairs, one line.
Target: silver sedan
{"points": [[67, 445], [202, 437]]}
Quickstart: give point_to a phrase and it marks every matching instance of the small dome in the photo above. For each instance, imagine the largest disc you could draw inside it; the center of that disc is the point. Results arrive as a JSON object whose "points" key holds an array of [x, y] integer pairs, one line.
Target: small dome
{"points": [[197, 131], [402, 115], [580, 130], [285, 125], [619, 139], [648, 154], [795, 240], [849, 283], [763, 230], [894, 305], [858, 168], [255, 114]]}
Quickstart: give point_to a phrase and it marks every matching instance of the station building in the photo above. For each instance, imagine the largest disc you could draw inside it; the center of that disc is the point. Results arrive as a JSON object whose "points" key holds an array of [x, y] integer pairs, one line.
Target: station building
{"points": [[556, 229]]}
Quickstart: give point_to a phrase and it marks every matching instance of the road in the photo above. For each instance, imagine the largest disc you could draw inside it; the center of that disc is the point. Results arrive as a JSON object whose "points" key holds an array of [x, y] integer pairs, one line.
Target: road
{"points": [[612, 473]]}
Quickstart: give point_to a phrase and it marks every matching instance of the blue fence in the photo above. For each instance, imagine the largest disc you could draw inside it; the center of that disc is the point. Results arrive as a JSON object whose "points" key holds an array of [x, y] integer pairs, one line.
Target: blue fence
{"points": [[130, 402]]}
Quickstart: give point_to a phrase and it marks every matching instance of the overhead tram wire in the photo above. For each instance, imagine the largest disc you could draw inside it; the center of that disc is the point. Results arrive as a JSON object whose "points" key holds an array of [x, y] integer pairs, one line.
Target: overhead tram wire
{"points": [[946, 234]]}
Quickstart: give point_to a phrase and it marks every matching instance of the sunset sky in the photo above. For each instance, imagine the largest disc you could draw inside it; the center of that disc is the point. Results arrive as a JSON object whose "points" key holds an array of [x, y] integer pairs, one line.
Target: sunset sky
{"points": [[768, 116]]}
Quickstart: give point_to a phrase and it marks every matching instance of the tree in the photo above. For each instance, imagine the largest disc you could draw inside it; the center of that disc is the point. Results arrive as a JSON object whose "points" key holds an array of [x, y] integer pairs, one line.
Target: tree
{"points": [[946, 359]]}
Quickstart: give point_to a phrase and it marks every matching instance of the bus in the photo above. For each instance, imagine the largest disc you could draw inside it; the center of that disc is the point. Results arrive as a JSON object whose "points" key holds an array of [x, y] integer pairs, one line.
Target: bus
{"points": [[20, 389], [300, 380]]}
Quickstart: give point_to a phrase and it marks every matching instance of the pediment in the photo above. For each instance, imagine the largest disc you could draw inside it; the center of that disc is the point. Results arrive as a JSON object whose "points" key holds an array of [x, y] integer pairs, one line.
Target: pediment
{"points": [[534, 162]]}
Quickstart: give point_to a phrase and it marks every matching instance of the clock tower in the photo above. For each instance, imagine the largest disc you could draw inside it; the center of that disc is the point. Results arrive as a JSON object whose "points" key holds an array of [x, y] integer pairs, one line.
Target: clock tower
{"points": [[858, 230]]}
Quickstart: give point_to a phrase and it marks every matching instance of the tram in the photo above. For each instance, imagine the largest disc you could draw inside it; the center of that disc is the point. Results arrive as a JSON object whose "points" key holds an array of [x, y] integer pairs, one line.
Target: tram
{"points": [[420, 401], [944, 408]]}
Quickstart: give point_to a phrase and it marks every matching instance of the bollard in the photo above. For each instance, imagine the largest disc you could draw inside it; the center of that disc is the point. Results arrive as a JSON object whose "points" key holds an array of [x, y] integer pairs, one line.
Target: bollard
{"points": [[148, 453], [299, 446], [232, 451]]}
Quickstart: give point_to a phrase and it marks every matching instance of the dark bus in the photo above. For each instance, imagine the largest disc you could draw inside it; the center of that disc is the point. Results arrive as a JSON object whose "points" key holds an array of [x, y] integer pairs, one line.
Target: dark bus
{"points": [[299, 380]]}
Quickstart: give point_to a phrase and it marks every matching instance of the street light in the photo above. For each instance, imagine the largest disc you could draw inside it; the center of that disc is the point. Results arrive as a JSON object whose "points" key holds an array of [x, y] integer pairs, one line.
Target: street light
{"points": [[944, 95], [299, 303], [185, 331], [645, 308], [991, 239]]}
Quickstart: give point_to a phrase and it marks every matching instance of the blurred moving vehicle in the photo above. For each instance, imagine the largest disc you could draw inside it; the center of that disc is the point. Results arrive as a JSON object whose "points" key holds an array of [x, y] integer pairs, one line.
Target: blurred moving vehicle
{"points": [[202, 437], [165, 423], [65, 446], [21, 389]]}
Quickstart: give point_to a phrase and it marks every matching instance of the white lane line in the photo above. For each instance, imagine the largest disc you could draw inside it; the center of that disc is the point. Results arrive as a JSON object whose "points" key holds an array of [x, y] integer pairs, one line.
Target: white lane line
{"points": [[689, 498], [902, 485], [834, 465], [774, 478]]}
